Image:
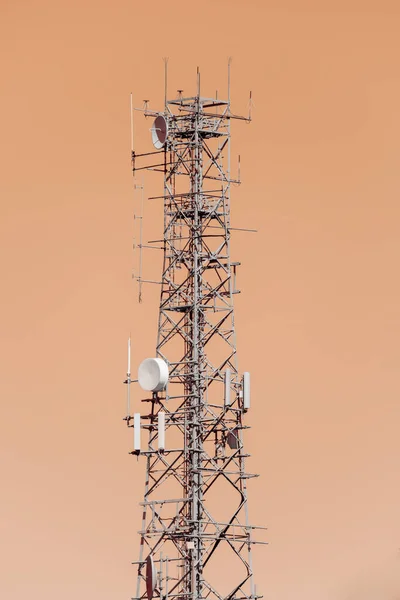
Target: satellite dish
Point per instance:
(159, 132)
(151, 577)
(153, 374)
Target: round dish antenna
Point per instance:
(151, 577)
(153, 374)
(159, 132)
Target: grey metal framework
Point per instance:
(195, 519)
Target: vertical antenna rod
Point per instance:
(128, 381)
(131, 115)
(165, 82)
(138, 186)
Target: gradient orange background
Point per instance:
(318, 320)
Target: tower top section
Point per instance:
(183, 117)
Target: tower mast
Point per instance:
(196, 400)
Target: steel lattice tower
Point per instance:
(205, 400)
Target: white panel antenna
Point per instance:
(136, 432)
(161, 430)
(246, 391)
(227, 388)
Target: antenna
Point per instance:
(128, 381)
(229, 80)
(161, 430)
(198, 82)
(136, 432)
(151, 577)
(140, 218)
(191, 390)
(165, 81)
(227, 394)
(159, 132)
(250, 106)
(132, 149)
(129, 357)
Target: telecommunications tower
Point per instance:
(195, 540)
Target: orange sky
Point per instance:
(318, 318)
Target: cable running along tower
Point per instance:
(196, 539)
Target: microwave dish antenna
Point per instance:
(151, 577)
(159, 132)
(153, 374)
